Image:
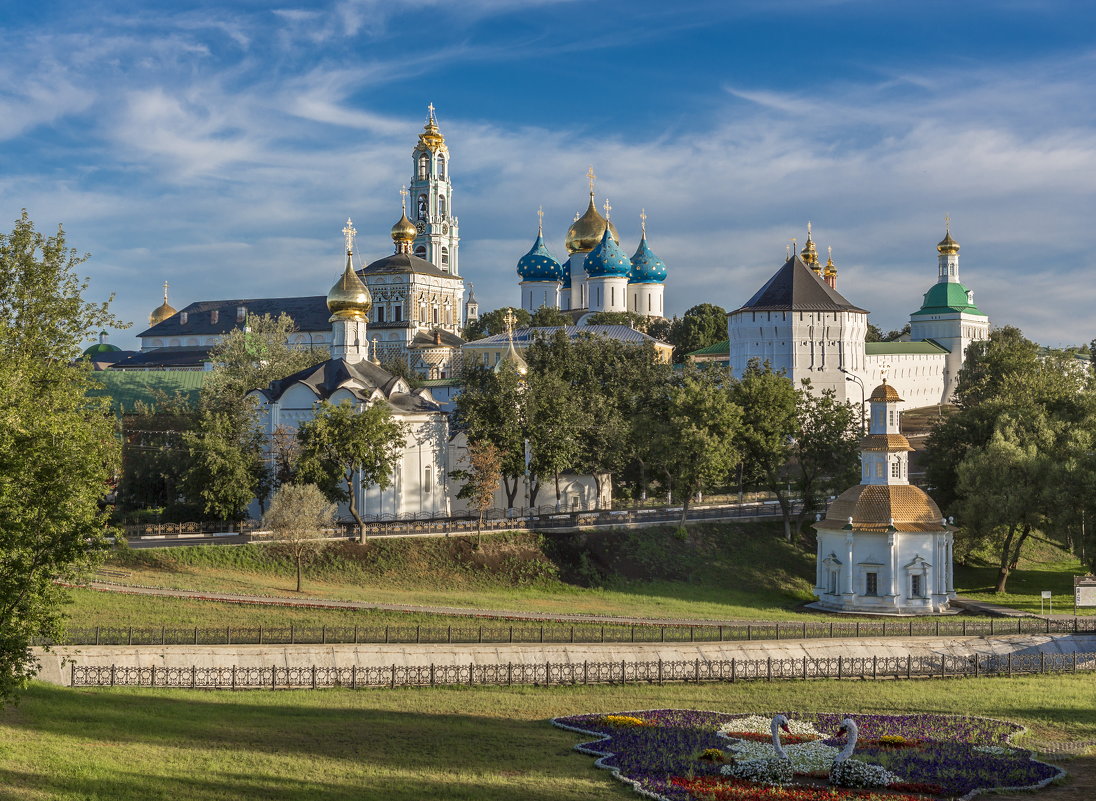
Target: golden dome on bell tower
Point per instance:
(947, 244)
(809, 253)
(431, 138)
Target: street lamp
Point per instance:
(863, 397)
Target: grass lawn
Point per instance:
(478, 744)
(1045, 567)
(733, 571)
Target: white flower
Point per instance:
(802, 757)
(854, 773)
(763, 771)
(755, 724)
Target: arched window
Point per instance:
(424, 207)
(445, 259)
(442, 210)
(380, 314)
(424, 167)
(420, 251)
(441, 166)
(435, 315)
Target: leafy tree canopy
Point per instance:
(492, 323)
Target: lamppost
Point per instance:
(863, 396)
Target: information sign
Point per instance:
(1084, 591)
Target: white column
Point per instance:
(848, 564)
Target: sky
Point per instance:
(222, 146)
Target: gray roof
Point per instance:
(404, 263)
(621, 333)
(796, 287)
(309, 314)
(425, 339)
(327, 377)
(161, 358)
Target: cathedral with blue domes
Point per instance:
(597, 275)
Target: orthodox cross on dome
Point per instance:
(947, 223)
(788, 251)
(643, 222)
(165, 291)
(508, 320)
(808, 229)
(608, 208)
(431, 109)
(403, 198)
(540, 220)
(795, 245)
(349, 233)
(591, 177)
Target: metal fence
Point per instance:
(574, 673)
(539, 517)
(577, 633)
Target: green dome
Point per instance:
(949, 298)
(101, 347)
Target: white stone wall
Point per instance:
(535, 294)
(646, 299)
(607, 294)
(919, 378)
(954, 331)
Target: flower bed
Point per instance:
(923, 756)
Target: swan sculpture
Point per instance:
(849, 772)
(775, 769)
(780, 722)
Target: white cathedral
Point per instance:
(800, 324)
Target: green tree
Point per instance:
(699, 435)
(874, 334)
(493, 323)
(343, 447)
(549, 317)
(489, 409)
(228, 454)
(154, 463)
(769, 426)
(553, 424)
(297, 516)
(58, 448)
(639, 322)
(825, 449)
(700, 327)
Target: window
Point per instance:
(380, 314)
(426, 482)
(442, 206)
(871, 583)
(441, 167)
(878, 469)
(424, 167)
(435, 315)
(445, 259)
(896, 469)
(213, 315)
(420, 251)
(833, 582)
(424, 207)
(915, 586)
(397, 314)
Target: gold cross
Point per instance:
(508, 320)
(431, 107)
(591, 177)
(403, 198)
(808, 229)
(165, 291)
(643, 222)
(608, 208)
(947, 222)
(540, 220)
(349, 233)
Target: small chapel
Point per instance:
(883, 546)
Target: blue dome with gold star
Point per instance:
(647, 268)
(538, 264)
(607, 260)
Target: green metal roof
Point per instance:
(440, 382)
(900, 348)
(947, 298)
(126, 387)
(718, 349)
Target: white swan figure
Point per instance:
(779, 722)
(850, 730)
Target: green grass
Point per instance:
(1044, 567)
(483, 744)
(728, 571)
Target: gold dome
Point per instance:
(947, 244)
(831, 268)
(404, 230)
(349, 299)
(431, 138)
(161, 312)
(884, 393)
(883, 507)
(586, 232)
(513, 360)
(809, 253)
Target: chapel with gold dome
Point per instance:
(883, 546)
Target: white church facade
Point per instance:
(884, 547)
(800, 324)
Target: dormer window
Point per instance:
(213, 316)
(241, 313)
(183, 317)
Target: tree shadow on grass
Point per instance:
(122, 745)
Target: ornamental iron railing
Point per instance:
(555, 632)
(573, 673)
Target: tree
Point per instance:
(825, 449)
(298, 514)
(154, 463)
(874, 334)
(400, 367)
(700, 327)
(228, 462)
(489, 410)
(699, 435)
(639, 322)
(493, 323)
(553, 423)
(550, 317)
(58, 447)
(344, 445)
(482, 478)
(769, 425)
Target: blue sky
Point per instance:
(220, 146)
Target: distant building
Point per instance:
(490, 351)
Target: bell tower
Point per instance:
(432, 200)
